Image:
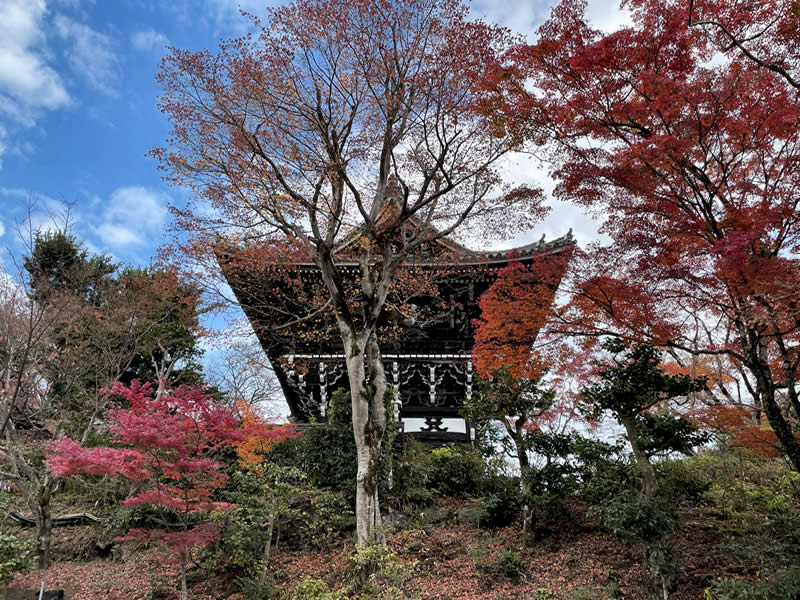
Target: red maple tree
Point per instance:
(764, 32)
(694, 164)
(165, 445)
(259, 435)
(513, 310)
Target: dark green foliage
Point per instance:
(107, 323)
(663, 434)
(326, 452)
(506, 396)
(552, 479)
(60, 262)
(784, 585)
(329, 450)
(756, 505)
(411, 475)
(602, 470)
(513, 565)
(680, 483)
(173, 313)
(240, 548)
(422, 473)
(631, 384)
(313, 588)
(501, 500)
(15, 556)
(374, 571)
(607, 592)
(324, 518)
(507, 565)
(306, 517)
(505, 410)
(632, 517)
(635, 382)
(253, 589)
(455, 470)
(571, 465)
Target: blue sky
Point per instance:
(78, 113)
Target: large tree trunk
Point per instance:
(369, 425)
(649, 481)
(756, 352)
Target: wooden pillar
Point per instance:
(396, 382)
(432, 383)
(323, 389)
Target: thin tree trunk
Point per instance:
(524, 473)
(184, 589)
(649, 482)
(44, 530)
(265, 567)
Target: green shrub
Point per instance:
(329, 450)
(374, 572)
(326, 451)
(491, 570)
(327, 518)
(633, 517)
(313, 588)
(15, 556)
(253, 589)
(497, 506)
(513, 565)
(411, 475)
(602, 470)
(455, 470)
(473, 514)
(751, 495)
(501, 500)
(783, 586)
(681, 482)
(240, 548)
(612, 590)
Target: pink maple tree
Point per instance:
(167, 439)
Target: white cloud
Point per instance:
(2, 229)
(131, 215)
(607, 16)
(520, 17)
(149, 40)
(91, 55)
(526, 17)
(119, 235)
(25, 76)
(28, 84)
